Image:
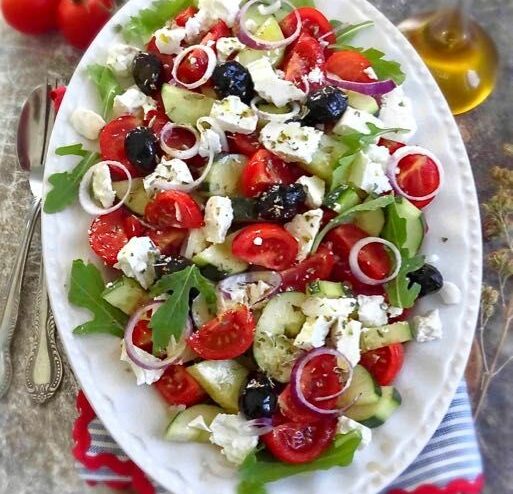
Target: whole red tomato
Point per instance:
(81, 20)
(31, 16)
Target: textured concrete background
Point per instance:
(35, 440)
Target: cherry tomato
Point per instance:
(31, 16)
(300, 442)
(403, 317)
(173, 209)
(384, 363)
(81, 20)
(247, 144)
(314, 23)
(349, 65)
(217, 31)
(107, 235)
(263, 170)
(156, 120)
(141, 337)
(182, 18)
(306, 55)
(169, 240)
(134, 227)
(391, 145)
(192, 67)
(294, 411)
(167, 60)
(180, 138)
(267, 245)
(316, 267)
(57, 95)
(178, 387)
(228, 336)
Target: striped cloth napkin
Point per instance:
(449, 464)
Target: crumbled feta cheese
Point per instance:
(269, 9)
(372, 310)
(394, 311)
(234, 435)
(137, 260)
(101, 185)
(133, 101)
(371, 73)
(87, 123)
(432, 259)
(258, 241)
(291, 141)
(168, 41)
(224, 10)
(450, 293)
(195, 243)
(397, 112)
(270, 86)
(368, 170)
(210, 141)
(379, 154)
(199, 424)
(248, 294)
(226, 47)
(173, 171)
(345, 335)
(314, 306)
(356, 121)
(218, 219)
(142, 376)
(198, 24)
(304, 228)
(428, 327)
(120, 59)
(314, 188)
(233, 115)
(316, 76)
(313, 333)
(346, 425)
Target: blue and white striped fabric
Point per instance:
(452, 453)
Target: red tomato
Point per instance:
(168, 241)
(107, 235)
(192, 67)
(403, 317)
(31, 16)
(267, 245)
(173, 209)
(349, 65)
(243, 144)
(228, 336)
(316, 267)
(156, 120)
(294, 411)
(217, 31)
(141, 336)
(182, 18)
(81, 20)
(263, 170)
(314, 23)
(180, 138)
(306, 55)
(418, 176)
(134, 227)
(178, 387)
(384, 363)
(300, 442)
(391, 145)
(167, 60)
(57, 95)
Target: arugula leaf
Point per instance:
(395, 229)
(341, 173)
(385, 69)
(356, 141)
(346, 32)
(258, 470)
(170, 318)
(107, 86)
(85, 290)
(399, 292)
(71, 150)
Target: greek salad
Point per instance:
(259, 196)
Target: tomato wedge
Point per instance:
(141, 337)
(384, 363)
(349, 65)
(228, 336)
(267, 245)
(178, 387)
(313, 23)
(391, 145)
(182, 18)
(168, 241)
(247, 144)
(306, 55)
(217, 31)
(107, 235)
(173, 209)
(156, 120)
(134, 227)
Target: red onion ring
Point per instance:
(274, 117)
(182, 154)
(226, 287)
(297, 374)
(258, 427)
(212, 60)
(394, 164)
(369, 88)
(251, 41)
(355, 266)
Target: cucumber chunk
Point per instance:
(275, 355)
(137, 200)
(269, 31)
(398, 332)
(183, 106)
(326, 158)
(200, 311)
(376, 414)
(363, 389)
(342, 198)
(125, 294)
(282, 315)
(224, 176)
(328, 289)
(362, 102)
(178, 430)
(371, 222)
(220, 256)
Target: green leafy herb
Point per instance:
(258, 470)
(399, 292)
(396, 227)
(346, 32)
(107, 86)
(341, 173)
(170, 318)
(385, 69)
(71, 150)
(85, 290)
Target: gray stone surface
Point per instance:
(35, 440)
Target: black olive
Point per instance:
(259, 398)
(142, 148)
(325, 105)
(429, 279)
(280, 202)
(148, 73)
(170, 264)
(231, 78)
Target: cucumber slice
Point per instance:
(363, 388)
(200, 311)
(342, 198)
(137, 200)
(178, 430)
(398, 332)
(371, 222)
(220, 256)
(125, 294)
(362, 102)
(282, 315)
(326, 158)
(378, 413)
(244, 210)
(275, 355)
(183, 106)
(328, 289)
(223, 380)
(224, 176)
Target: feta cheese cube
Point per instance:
(137, 260)
(224, 10)
(87, 123)
(291, 141)
(314, 306)
(346, 425)
(368, 172)
(316, 76)
(142, 376)
(168, 41)
(172, 171)
(101, 185)
(248, 294)
(218, 219)
(210, 140)
(226, 47)
(394, 311)
(346, 338)
(232, 115)
(397, 112)
(428, 327)
(133, 101)
(314, 188)
(198, 24)
(304, 228)
(372, 310)
(450, 293)
(120, 59)
(313, 333)
(234, 435)
(356, 121)
(378, 154)
(195, 243)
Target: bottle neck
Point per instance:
(450, 25)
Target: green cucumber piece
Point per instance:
(269, 31)
(275, 355)
(398, 332)
(371, 222)
(244, 210)
(183, 106)
(376, 414)
(282, 315)
(125, 294)
(362, 102)
(224, 176)
(326, 158)
(328, 289)
(220, 256)
(200, 311)
(342, 198)
(178, 430)
(363, 389)
(137, 199)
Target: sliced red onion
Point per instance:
(258, 427)
(297, 374)
(183, 154)
(229, 285)
(274, 117)
(247, 38)
(355, 265)
(393, 169)
(212, 60)
(369, 88)
(84, 195)
(212, 124)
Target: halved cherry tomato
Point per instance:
(418, 176)
(182, 18)
(349, 65)
(314, 23)
(167, 60)
(180, 138)
(217, 31)
(169, 240)
(192, 67)
(306, 55)
(300, 442)
(391, 145)
(247, 144)
(228, 336)
(384, 363)
(156, 120)
(141, 337)
(178, 387)
(173, 209)
(134, 227)
(107, 235)
(294, 411)
(263, 170)
(316, 267)
(265, 244)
